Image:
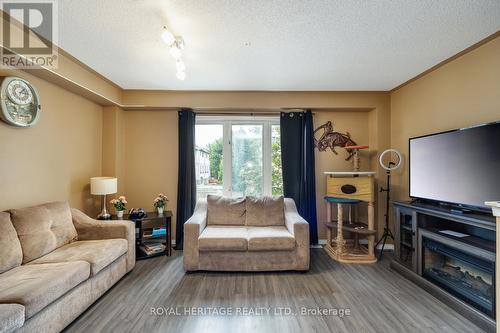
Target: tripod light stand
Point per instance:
(391, 166)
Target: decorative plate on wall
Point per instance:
(20, 102)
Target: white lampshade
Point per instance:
(103, 185)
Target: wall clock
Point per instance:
(20, 102)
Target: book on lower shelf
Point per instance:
(154, 232)
(152, 248)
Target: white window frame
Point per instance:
(227, 122)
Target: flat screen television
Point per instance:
(459, 167)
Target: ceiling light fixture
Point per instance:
(176, 52)
(181, 75)
(167, 36)
(176, 44)
(181, 66)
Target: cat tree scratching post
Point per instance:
(350, 189)
(354, 153)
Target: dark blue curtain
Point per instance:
(297, 158)
(186, 187)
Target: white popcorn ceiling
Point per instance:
(272, 45)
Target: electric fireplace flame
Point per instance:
(465, 276)
(469, 278)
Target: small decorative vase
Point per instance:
(119, 214)
(160, 210)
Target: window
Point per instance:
(242, 156)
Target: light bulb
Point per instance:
(181, 67)
(168, 37)
(181, 75)
(175, 52)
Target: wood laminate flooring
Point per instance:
(379, 300)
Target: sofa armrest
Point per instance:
(11, 317)
(299, 228)
(90, 229)
(192, 230)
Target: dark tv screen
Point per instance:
(458, 167)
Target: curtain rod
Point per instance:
(251, 114)
(244, 113)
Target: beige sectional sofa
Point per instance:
(246, 234)
(56, 261)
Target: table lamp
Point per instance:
(103, 186)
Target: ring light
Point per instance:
(390, 167)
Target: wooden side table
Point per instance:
(151, 221)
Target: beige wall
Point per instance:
(113, 145)
(256, 100)
(464, 92)
(357, 124)
(151, 157)
(55, 159)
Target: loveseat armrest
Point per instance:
(88, 228)
(192, 231)
(299, 228)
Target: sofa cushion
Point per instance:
(11, 317)
(265, 211)
(44, 228)
(11, 254)
(98, 253)
(36, 286)
(220, 238)
(270, 239)
(225, 211)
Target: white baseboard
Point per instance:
(322, 242)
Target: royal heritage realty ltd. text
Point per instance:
(249, 311)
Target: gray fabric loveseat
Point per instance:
(246, 234)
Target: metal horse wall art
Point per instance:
(331, 139)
